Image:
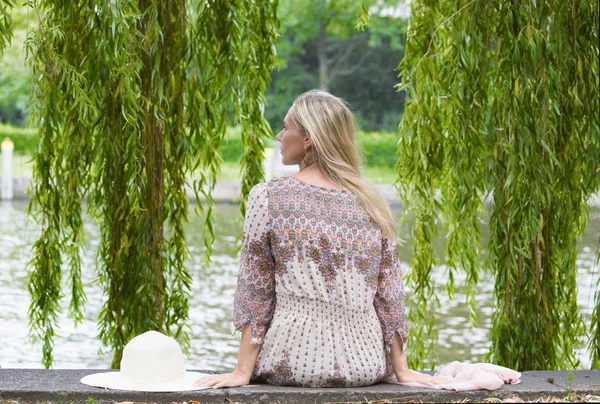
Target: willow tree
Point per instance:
(503, 103)
(5, 20)
(132, 98)
(594, 340)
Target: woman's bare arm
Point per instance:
(247, 356)
(403, 373)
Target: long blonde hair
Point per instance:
(331, 127)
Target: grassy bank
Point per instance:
(22, 166)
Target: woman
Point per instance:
(319, 298)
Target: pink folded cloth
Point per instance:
(468, 376)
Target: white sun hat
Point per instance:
(151, 362)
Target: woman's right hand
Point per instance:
(235, 379)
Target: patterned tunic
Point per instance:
(319, 285)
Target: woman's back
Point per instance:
(318, 274)
(322, 241)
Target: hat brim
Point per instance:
(114, 380)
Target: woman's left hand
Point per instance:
(235, 379)
(410, 376)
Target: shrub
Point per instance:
(25, 139)
(378, 148)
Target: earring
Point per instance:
(307, 160)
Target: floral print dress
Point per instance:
(319, 286)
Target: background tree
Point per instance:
(368, 83)
(129, 108)
(331, 25)
(320, 47)
(594, 341)
(503, 100)
(5, 22)
(14, 78)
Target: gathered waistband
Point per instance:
(321, 310)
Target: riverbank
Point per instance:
(25, 386)
(228, 191)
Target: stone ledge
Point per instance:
(63, 386)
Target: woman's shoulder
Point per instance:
(263, 189)
(259, 191)
(275, 183)
(290, 184)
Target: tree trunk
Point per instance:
(322, 57)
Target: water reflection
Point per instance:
(213, 346)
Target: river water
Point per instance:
(212, 345)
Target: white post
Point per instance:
(7, 180)
(268, 163)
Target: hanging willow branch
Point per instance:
(129, 110)
(233, 60)
(545, 113)
(594, 341)
(420, 166)
(503, 99)
(443, 166)
(5, 22)
(259, 51)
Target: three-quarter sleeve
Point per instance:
(255, 291)
(389, 299)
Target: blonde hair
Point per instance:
(331, 127)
